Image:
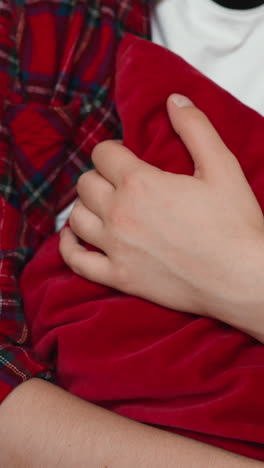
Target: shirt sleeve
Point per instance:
(17, 362)
(18, 238)
(56, 103)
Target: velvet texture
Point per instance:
(192, 375)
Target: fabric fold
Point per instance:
(184, 373)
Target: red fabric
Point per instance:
(185, 373)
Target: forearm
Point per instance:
(42, 425)
(236, 295)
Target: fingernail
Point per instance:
(181, 101)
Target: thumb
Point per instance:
(207, 149)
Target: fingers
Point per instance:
(86, 225)
(95, 192)
(93, 266)
(114, 161)
(207, 149)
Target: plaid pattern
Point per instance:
(56, 102)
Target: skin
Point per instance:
(179, 246)
(44, 426)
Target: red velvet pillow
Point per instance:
(185, 373)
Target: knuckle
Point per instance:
(116, 216)
(121, 278)
(76, 269)
(74, 262)
(82, 181)
(133, 181)
(100, 149)
(72, 256)
(195, 116)
(72, 221)
(74, 216)
(121, 220)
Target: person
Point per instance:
(44, 426)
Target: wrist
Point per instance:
(236, 295)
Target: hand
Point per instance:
(188, 243)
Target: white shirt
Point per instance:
(226, 45)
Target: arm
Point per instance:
(189, 243)
(42, 425)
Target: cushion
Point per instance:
(192, 375)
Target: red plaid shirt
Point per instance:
(56, 73)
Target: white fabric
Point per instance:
(63, 216)
(226, 45)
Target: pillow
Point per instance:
(192, 375)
